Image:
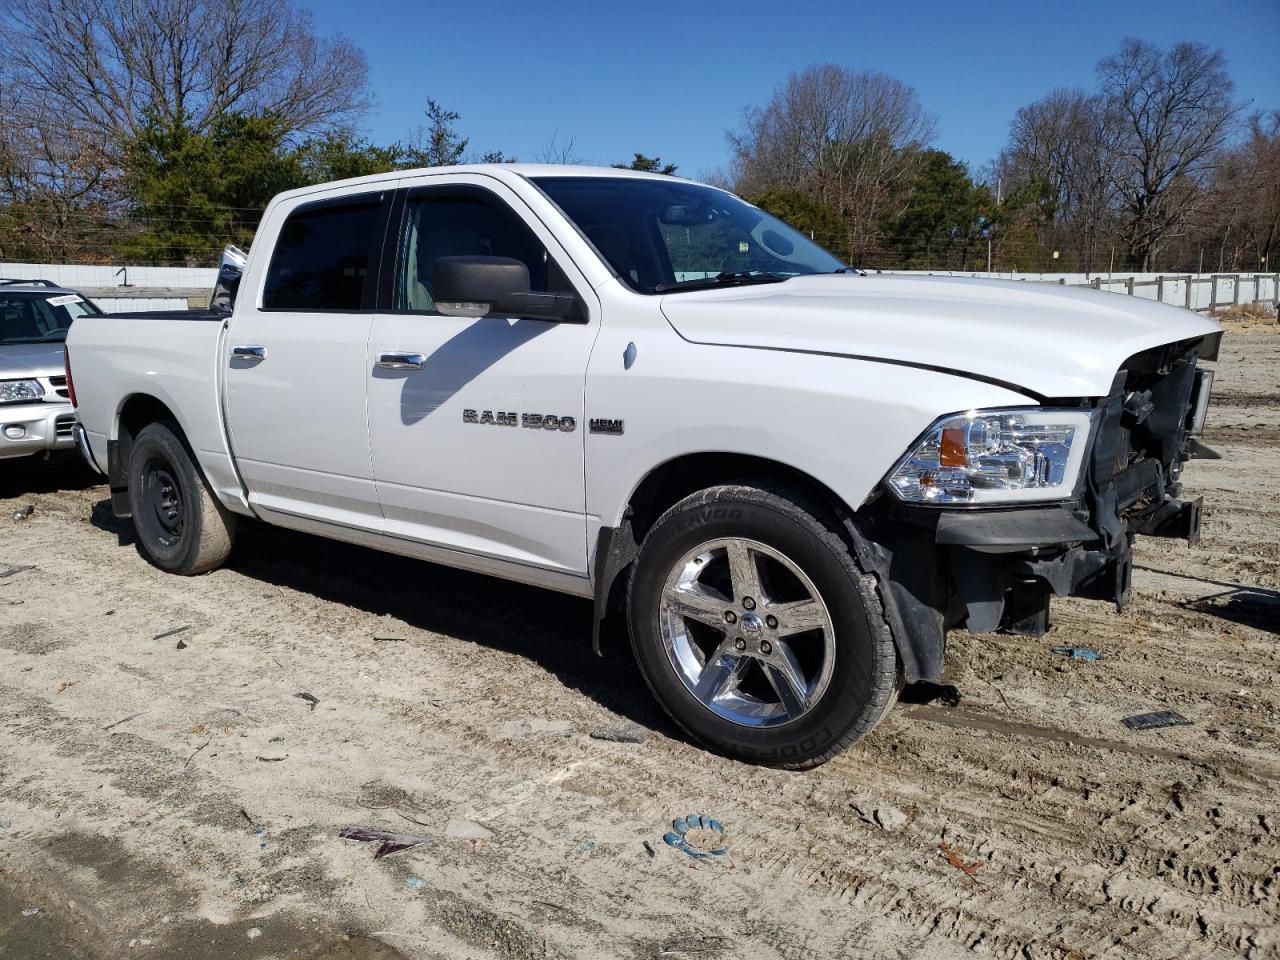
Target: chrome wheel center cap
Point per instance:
(752, 625)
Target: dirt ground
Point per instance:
(173, 796)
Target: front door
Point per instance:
(476, 424)
(296, 377)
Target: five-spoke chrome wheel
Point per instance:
(747, 632)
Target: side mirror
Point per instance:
(227, 285)
(475, 286)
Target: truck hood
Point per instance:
(1050, 340)
(21, 361)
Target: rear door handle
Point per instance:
(254, 354)
(401, 361)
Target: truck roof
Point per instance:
(503, 171)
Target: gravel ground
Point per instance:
(173, 796)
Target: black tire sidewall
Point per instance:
(851, 695)
(159, 441)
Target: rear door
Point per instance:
(296, 376)
(477, 443)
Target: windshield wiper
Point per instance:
(720, 280)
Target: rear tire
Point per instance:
(757, 631)
(181, 527)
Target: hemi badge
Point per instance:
(605, 425)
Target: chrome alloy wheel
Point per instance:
(747, 632)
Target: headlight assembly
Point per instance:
(995, 456)
(20, 391)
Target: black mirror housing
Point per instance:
(478, 286)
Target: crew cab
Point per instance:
(36, 416)
(792, 477)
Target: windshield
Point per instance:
(663, 237)
(33, 318)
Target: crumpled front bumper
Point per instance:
(31, 428)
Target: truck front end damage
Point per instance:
(995, 566)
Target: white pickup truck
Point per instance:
(794, 477)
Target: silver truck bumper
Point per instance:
(31, 428)
(82, 444)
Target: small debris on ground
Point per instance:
(388, 842)
(309, 698)
(132, 716)
(624, 733)
(253, 933)
(1154, 721)
(172, 632)
(534, 727)
(889, 818)
(953, 858)
(30, 911)
(182, 644)
(274, 759)
(67, 685)
(467, 830)
(23, 512)
(697, 835)
(389, 640)
(648, 848)
(1077, 653)
(5, 824)
(9, 571)
(415, 883)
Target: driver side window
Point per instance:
(461, 221)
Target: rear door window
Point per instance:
(323, 256)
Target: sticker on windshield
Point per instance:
(743, 246)
(63, 300)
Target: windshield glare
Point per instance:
(657, 235)
(39, 319)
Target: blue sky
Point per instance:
(671, 78)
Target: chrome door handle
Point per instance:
(249, 353)
(401, 361)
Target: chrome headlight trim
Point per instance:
(995, 456)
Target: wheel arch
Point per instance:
(136, 411)
(666, 485)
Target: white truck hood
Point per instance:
(1051, 340)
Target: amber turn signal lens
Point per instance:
(953, 452)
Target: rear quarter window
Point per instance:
(322, 256)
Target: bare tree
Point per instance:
(842, 136)
(1063, 148)
(1243, 205)
(112, 67)
(1174, 112)
(55, 184)
(558, 151)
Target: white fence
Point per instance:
(1195, 291)
(78, 276)
(143, 288)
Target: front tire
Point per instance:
(181, 527)
(757, 631)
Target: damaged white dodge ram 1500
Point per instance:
(794, 478)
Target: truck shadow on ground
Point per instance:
(548, 628)
(31, 475)
(545, 627)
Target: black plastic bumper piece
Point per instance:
(1012, 531)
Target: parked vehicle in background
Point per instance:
(648, 392)
(36, 415)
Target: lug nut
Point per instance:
(766, 648)
(740, 644)
(730, 617)
(748, 603)
(772, 621)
